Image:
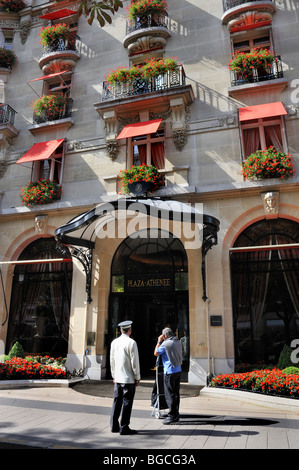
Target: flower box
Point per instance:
(12, 6)
(139, 8)
(18, 368)
(268, 163)
(142, 173)
(51, 35)
(152, 69)
(50, 107)
(40, 192)
(274, 382)
(259, 63)
(7, 58)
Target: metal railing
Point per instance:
(146, 21)
(48, 115)
(228, 4)
(61, 45)
(7, 114)
(258, 75)
(140, 86)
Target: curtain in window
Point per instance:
(158, 155)
(251, 140)
(250, 271)
(273, 137)
(289, 262)
(142, 153)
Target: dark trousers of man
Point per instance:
(123, 397)
(172, 393)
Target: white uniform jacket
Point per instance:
(124, 360)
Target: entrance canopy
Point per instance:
(81, 232)
(83, 229)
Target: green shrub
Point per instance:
(16, 351)
(285, 358)
(291, 370)
(4, 357)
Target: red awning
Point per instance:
(49, 76)
(262, 111)
(55, 15)
(40, 151)
(139, 128)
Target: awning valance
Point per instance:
(40, 151)
(260, 111)
(56, 15)
(139, 128)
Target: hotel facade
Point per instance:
(212, 253)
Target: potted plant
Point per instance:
(12, 6)
(142, 173)
(246, 62)
(7, 58)
(50, 107)
(268, 163)
(50, 35)
(40, 192)
(139, 8)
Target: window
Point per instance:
(7, 38)
(50, 168)
(265, 290)
(59, 86)
(250, 44)
(147, 149)
(257, 134)
(40, 300)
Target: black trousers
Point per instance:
(123, 396)
(172, 393)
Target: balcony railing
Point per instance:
(228, 4)
(48, 115)
(258, 75)
(146, 21)
(163, 82)
(63, 45)
(7, 114)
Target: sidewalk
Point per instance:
(64, 418)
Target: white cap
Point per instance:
(125, 324)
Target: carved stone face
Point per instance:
(40, 223)
(270, 202)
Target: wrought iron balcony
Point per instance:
(228, 4)
(258, 75)
(61, 45)
(48, 115)
(146, 21)
(7, 114)
(163, 82)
